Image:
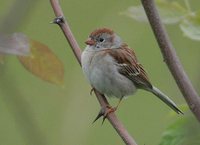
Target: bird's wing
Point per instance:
(129, 66)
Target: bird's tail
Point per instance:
(165, 99)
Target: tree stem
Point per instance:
(171, 59)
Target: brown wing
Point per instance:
(130, 67)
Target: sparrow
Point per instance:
(113, 69)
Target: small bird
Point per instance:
(113, 69)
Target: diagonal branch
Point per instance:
(123, 133)
(171, 59)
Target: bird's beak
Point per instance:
(90, 42)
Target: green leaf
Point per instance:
(190, 26)
(137, 13)
(170, 12)
(43, 63)
(184, 131)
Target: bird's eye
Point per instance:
(101, 39)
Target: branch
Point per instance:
(123, 133)
(171, 59)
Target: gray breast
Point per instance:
(104, 76)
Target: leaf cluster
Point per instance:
(171, 13)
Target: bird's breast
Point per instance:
(102, 73)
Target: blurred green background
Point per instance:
(35, 112)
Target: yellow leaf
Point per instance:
(43, 63)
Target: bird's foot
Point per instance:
(104, 112)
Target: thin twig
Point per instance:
(171, 59)
(123, 133)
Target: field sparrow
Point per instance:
(113, 69)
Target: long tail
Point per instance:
(165, 99)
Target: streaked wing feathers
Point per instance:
(130, 67)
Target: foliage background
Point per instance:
(36, 112)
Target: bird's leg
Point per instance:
(111, 109)
(118, 103)
(107, 110)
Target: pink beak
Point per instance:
(90, 42)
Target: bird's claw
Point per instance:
(104, 112)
